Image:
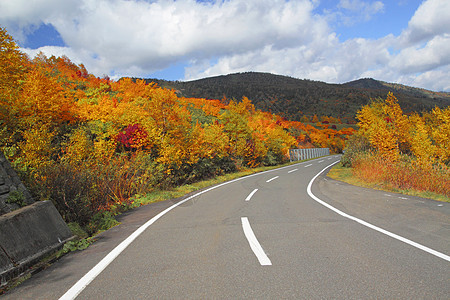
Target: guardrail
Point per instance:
(302, 154)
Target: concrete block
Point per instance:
(5, 261)
(28, 234)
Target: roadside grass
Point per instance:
(338, 172)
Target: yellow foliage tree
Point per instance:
(376, 122)
(421, 144)
(441, 132)
(397, 122)
(37, 149)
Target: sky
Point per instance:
(335, 41)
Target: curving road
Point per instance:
(277, 234)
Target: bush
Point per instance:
(79, 192)
(405, 173)
(16, 197)
(274, 158)
(204, 168)
(356, 145)
(101, 221)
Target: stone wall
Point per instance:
(12, 189)
(27, 233)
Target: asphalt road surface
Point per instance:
(272, 235)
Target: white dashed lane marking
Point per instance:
(273, 178)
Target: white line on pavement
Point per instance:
(251, 195)
(254, 244)
(308, 165)
(273, 178)
(388, 233)
(293, 170)
(320, 161)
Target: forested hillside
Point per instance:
(294, 98)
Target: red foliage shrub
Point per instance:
(133, 137)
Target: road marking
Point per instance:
(81, 284)
(251, 195)
(273, 178)
(320, 161)
(388, 233)
(308, 165)
(293, 170)
(254, 244)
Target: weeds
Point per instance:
(405, 174)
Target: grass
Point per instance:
(338, 172)
(15, 283)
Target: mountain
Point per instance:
(293, 98)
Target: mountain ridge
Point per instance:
(293, 98)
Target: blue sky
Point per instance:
(406, 41)
(391, 19)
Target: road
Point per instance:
(264, 236)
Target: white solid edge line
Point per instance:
(254, 244)
(81, 284)
(388, 233)
(272, 179)
(251, 195)
(292, 170)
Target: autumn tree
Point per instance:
(13, 67)
(377, 121)
(440, 132)
(421, 144)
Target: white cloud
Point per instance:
(21, 17)
(135, 38)
(436, 79)
(153, 35)
(417, 59)
(431, 18)
(324, 59)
